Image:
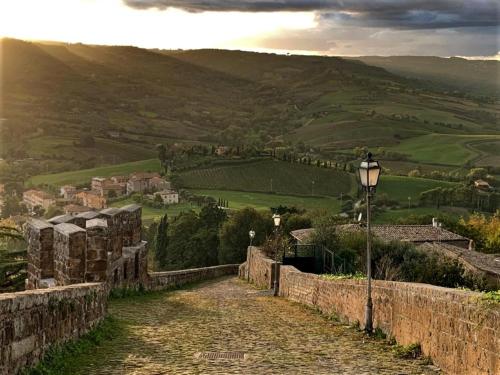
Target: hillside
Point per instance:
(480, 77)
(270, 176)
(130, 99)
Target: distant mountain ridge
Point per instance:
(482, 77)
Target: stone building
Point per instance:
(91, 199)
(103, 246)
(417, 234)
(106, 187)
(38, 198)
(68, 192)
(144, 182)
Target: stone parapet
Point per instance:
(174, 279)
(40, 239)
(115, 218)
(459, 331)
(132, 225)
(32, 321)
(96, 262)
(70, 245)
(259, 269)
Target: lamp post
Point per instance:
(277, 222)
(251, 234)
(369, 173)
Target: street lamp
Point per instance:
(369, 173)
(251, 234)
(277, 222)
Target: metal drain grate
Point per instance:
(220, 355)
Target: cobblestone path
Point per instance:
(163, 333)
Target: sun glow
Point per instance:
(110, 22)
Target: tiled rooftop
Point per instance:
(407, 233)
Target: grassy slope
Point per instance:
(444, 148)
(392, 216)
(285, 178)
(400, 188)
(262, 201)
(149, 214)
(84, 176)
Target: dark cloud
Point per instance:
(409, 14)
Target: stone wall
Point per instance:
(40, 239)
(70, 246)
(259, 269)
(173, 279)
(32, 321)
(455, 328)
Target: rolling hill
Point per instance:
(129, 99)
(480, 77)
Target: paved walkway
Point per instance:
(166, 332)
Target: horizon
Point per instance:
(261, 51)
(327, 28)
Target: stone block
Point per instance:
(40, 238)
(70, 244)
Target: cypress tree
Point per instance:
(161, 242)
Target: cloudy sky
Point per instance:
(330, 27)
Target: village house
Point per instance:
(37, 198)
(168, 196)
(68, 192)
(144, 182)
(417, 234)
(107, 187)
(91, 199)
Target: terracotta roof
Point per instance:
(485, 262)
(39, 193)
(407, 233)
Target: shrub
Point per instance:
(412, 351)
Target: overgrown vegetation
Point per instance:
(60, 358)
(399, 261)
(412, 351)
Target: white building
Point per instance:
(169, 196)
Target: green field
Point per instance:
(270, 176)
(261, 201)
(149, 214)
(83, 176)
(444, 148)
(105, 150)
(400, 188)
(391, 216)
(238, 200)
